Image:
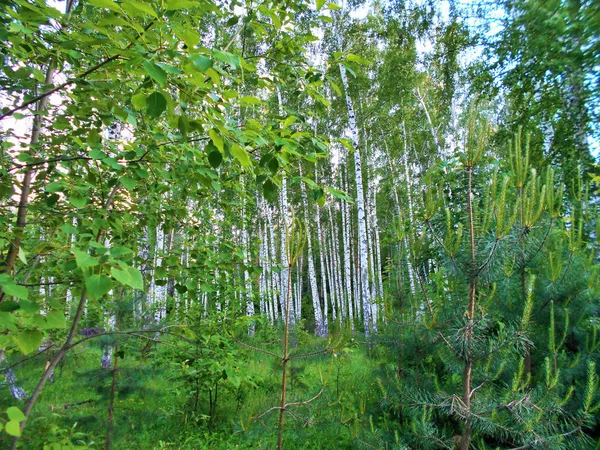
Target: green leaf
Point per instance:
(340, 194)
(97, 285)
(201, 62)
(241, 155)
(216, 138)
(13, 428)
(128, 183)
(138, 101)
(289, 121)
(97, 154)
(227, 58)
(183, 125)
(250, 100)
(357, 59)
(9, 306)
(22, 255)
(270, 190)
(56, 319)
(29, 341)
(156, 104)
(180, 4)
(84, 259)
(156, 72)
(120, 251)
(15, 414)
(68, 229)
(77, 200)
(144, 7)
(129, 276)
(14, 290)
(191, 38)
(319, 4)
(215, 158)
(54, 187)
(109, 4)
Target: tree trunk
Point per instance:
(360, 205)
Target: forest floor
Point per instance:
(167, 399)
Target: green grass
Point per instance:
(154, 405)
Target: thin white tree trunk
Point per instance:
(275, 279)
(346, 238)
(299, 271)
(376, 245)
(337, 268)
(159, 297)
(322, 250)
(436, 141)
(360, 205)
(263, 287)
(246, 260)
(312, 275)
(411, 273)
(284, 212)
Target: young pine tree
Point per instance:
(499, 344)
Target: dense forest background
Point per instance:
(287, 224)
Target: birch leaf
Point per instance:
(22, 255)
(241, 155)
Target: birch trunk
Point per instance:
(246, 260)
(347, 254)
(360, 205)
(284, 211)
(337, 268)
(320, 330)
(275, 279)
(320, 240)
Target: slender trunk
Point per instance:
(336, 269)
(347, 254)
(468, 368)
(246, 260)
(113, 391)
(284, 212)
(264, 264)
(274, 275)
(411, 273)
(284, 363)
(60, 354)
(321, 242)
(360, 205)
(330, 276)
(430, 122)
(376, 245)
(312, 275)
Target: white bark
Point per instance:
(411, 272)
(159, 293)
(376, 245)
(320, 240)
(275, 279)
(246, 260)
(346, 238)
(263, 287)
(320, 330)
(337, 268)
(431, 127)
(11, 380)
(360, 205)
(331, 282)
(284, 211)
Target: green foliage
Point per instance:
(527, 388)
